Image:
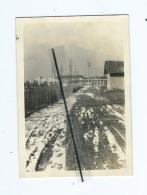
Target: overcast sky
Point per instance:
(93, 42)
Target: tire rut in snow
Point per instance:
(118, 138)
(46, 153)
(107, 159)
(85, 149)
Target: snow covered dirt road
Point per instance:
(98, 126)
(99, 132)
(45, 137)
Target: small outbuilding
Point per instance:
(114, 70)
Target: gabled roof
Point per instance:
(114, 67)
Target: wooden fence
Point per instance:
(40, 96)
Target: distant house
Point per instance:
(114, 70)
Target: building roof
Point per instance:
(114, 67)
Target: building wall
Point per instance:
(108, 82)
(94, 82)
(115, 82)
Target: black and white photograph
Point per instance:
(73, 76)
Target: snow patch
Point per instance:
(96, 140)
(40, 127)
(90, 94)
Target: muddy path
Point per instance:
(98, 128)
(99, 133)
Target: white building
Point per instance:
(114, 70)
